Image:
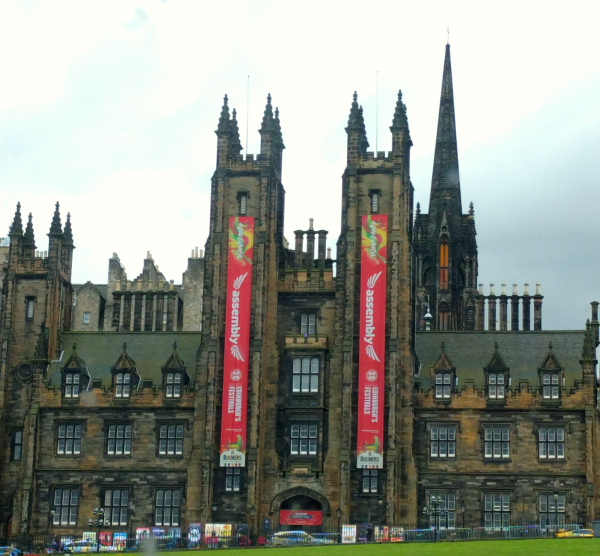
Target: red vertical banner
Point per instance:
(371, 358)
(237, 342)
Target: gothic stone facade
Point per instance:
(117, 388)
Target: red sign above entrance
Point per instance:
(300, 517)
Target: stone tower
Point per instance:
(249, 188)
(444, 239)
(376, 185)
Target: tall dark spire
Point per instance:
(223, 126)
(277, 126)
(68, 233)
(29, 239)
(354, 120)
(16, 230)
(445, 162)
(56, 226)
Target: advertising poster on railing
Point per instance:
(371, 358)
(348, 534)
(237, 342)
(300, 517)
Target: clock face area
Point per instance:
(24, 372)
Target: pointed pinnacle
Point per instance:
(29, 238)
(267, 121)
(471, 209)
(68, 233)
(56, 226)
(277, 126)
(400, 120)
(236, 145)
(354, 118)
(589, 351)
(16, 229)
(223, 126)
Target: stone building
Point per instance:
(122, 394)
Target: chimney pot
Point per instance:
(492, 289)
(310, 225)
(526, 291)
(503, 289)
(537, 289)
(515, 289)
(329, 252)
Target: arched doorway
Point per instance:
(301, 509)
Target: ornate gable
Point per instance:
(174, 361)
(74, 361)
(443, 362)
(124, 361)
(496, 362)
(550, 363)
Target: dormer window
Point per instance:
(551, 386)
(496, 383)
(122, 384)
(175, 376)
(443, 385)
(173, 384)
(72, 382)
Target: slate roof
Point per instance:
(150, 351)
(523, 352)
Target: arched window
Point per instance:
(444, 265)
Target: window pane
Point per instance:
(434, 433)
(492, 378)
(296, 366)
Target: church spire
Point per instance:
(223, 127)
(56, 226)
(16, 230)
(445, 181)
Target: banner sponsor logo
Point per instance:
(371, 358)
(237, 342)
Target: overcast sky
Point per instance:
(110, 107)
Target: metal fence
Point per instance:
(239, 535)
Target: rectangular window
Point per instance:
(72, 383)
(369, 481)
(86, 318)
(551, 386)
(496, 386)
(497, 442)
(29, 308)
(122, 385)
(119, 440)
(551, 443)
(552, 511)
(65, 504)
(167, 507)
(442, 441)
(170, 440)
(375, 202)
(232, 479)
(443, 385)
(243, 204)
(116, 504)
(303, 440)
(69, 440)
(17, 445)
(496, 510)
(305, 375)
(442, 510)
(173, 389)
(308, 324)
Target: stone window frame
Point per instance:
(489, 498)
(375, 201)
(370, 478)
(243, 200)
(170, 423)
(230, 474)
(310, 357)
(558, 499)
(551, 385)
(306, 327)
(107, 428)
(109, 507)
(71, 379)
(133, 384)
(539, 442)
(451, 507)
(501, 441)
(55, 515)
(442, 424)
(57, 437)
(308, 438)
(16, 447)
(164, 489)
(441, 385)
(30, 302)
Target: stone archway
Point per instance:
(301, 500)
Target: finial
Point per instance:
(418, 208)
(550, 346)
(29, 239)
(16, 229)
(496, 346)
(471, 209)
(269, 98)
(448, 39)
(400, 120)
(277, 126)
(443, 346)
(589, 345)
(56, 226)
(236, 144)
(354, 97)
(267, 121)
(124, 346)
(74, 346)
(174, 346)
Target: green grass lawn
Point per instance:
(545, 547)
